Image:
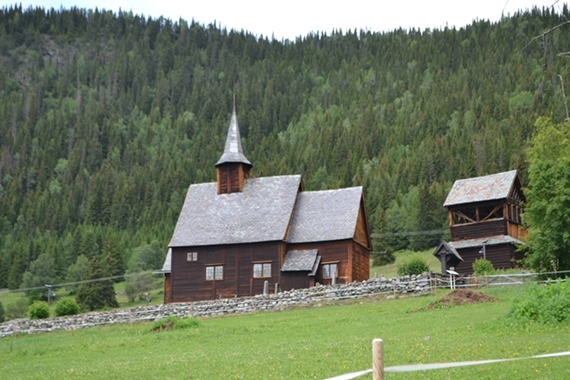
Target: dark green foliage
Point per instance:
(146, 257)
(172, 322)
(483, 267)
(139, 284)
(2, 314)
(38, 310)
(382, 258)
(413, 266)
(543, 303)
(77, 272)
(97, 295)
(548, 196)
(42, 271)
(67, 306)
(107, 118)
(17, 309)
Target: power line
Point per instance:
(410, 233)
(123, 276)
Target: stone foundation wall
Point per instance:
(271, 302)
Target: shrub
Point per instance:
(413, 266)
(482, 267)
(38, 310)
(545, 304)
(1, 313)
(172, 322)
(382, 258)
(67, 306)
(17, 309)
(139, 284)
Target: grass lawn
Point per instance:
(391, 270)
(303, 343)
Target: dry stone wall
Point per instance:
(414, 285)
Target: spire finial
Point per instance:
(233, 151)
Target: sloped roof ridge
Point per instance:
(482, 188)
(260, 213)
(325, 215)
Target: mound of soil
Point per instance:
(461, 297)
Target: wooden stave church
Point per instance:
(238, 232)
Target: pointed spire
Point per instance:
(233, 151)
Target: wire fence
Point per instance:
(378, 369)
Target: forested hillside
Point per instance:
(106, 119)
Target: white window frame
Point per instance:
(192, 256)
(327, 270)
(262, 270)
(214, 272)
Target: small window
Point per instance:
(215, 273)
(261, 270)
(192, 256)
(330, 270)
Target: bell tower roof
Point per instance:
(233, 151)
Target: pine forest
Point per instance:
(107, 118)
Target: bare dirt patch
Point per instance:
(460, 297)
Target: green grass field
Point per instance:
(303, 343)
(391, 270)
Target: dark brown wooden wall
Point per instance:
(362, 232)
(188, 279)
(360, 263)
(478, 230)
(167, 288)
(332, 251)
(501, 256)
(231, 177)
(295, 280)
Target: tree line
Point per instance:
(106, 119)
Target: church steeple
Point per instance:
(233, 168)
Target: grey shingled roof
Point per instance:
(233, 151)
(491, 240)
(478, 189)
(300, 260)
(325, 215)
(260, 213)
(446, 248)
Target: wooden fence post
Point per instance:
(377, 359)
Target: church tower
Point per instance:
(232, 168)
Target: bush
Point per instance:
(38, 310)
(139, 284)
(413, 266)
(382, 258)
(67, 306)
(17, 309)
(172, 322)
(483, 267)
(545, 304)
(1, 313)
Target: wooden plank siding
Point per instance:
(296, 280)
(188, 282)
(516, 231)
(231, 178)
(502, 256)
(362, 232)
(167, 288)
(361, 262)
(478, 229)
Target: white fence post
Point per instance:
(377, 359)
